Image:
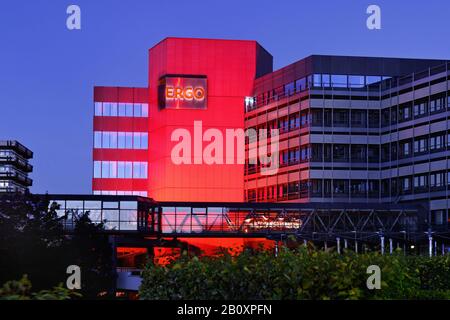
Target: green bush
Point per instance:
(297, 274)
(21, 290)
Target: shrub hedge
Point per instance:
(302, 273)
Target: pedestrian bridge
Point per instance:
(309, 221)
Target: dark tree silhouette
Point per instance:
(33, 242)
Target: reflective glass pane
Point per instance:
(113, 140)
(136, 140)
(97, 169)
(89, 204)
(122, 109)
(129, 109)
(97, 139)
(137, 109)
(111, 204)
(98, 108)
(113, 109)
(128, 205)
(121, 140)
(144, 107)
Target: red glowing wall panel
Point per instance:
(120, 124)
(230, 67)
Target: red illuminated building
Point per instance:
(190, 80)
(362, 131)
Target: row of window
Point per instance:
(421, 183)
(120, 193)
(317, 81)
(120, 169)
(120, 140)
(360, 118)
(419, 109)
(415, 146)
(12, 171)
(361, 153)
(114, 109)
(11, 186)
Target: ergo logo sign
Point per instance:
(182, 92)
(186, 93)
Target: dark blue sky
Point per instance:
(47, 72)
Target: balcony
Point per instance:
(18, 177)
(15, 145)
(18, 162)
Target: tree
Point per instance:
(34, 242)
(89, 248)
(31, 236)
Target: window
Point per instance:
(144, 111)
(128, 140)
(122, 110)
(358, 118)
(358, 153)
(137, 110)
(105, 169)
(120, 169)
(113, 140)
(405, 149)
(339, 81)
(97, 169)
(121, 140)
(437, 104)
(438, 216)
(340, 152)
(420, 181)
(317, 82)
(326, 81)
(404, 112)
(128, 109)
(98, 108)
(289, 89)
(340, 187)
(356, 81)
(406, 184)
(97, 139)
(128, 169)
(437, 179)
(420, 109)
(114, 109)
(300, 85)
(372, 79)
(420, 145)
(341, 117)
(436, 142)
(113, 169)
(374, 118)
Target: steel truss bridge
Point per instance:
(334, 223)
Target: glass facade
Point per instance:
(120, 140)
(117, 109)
(116, 213)
(120, 169)
(364, 139)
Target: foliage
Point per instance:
(302, 273)
(33, 242)
(21, 290)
